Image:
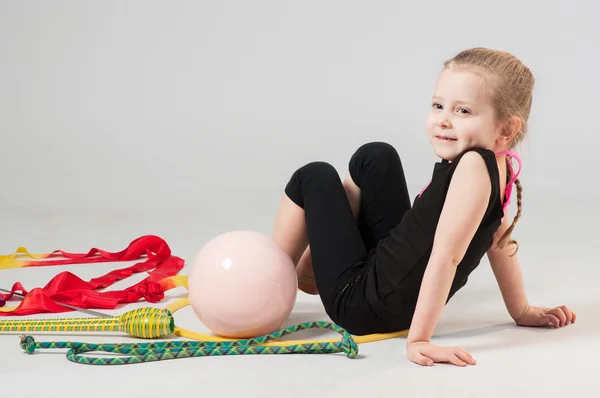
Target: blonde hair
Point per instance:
(511, 84)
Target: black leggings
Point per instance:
(340, 243)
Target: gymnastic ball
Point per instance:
(241, 284)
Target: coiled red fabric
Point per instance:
(67, 288)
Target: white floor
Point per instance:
(560, 267)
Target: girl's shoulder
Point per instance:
(472, 156)
(470, 163)
(486, 154)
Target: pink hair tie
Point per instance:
(513, 177)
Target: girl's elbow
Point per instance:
(446, 258)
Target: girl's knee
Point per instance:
(317, 169)
(311, 173)
(377, 155)
(376, 152)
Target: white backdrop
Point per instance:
(198, 111)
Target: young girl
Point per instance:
(382, 265)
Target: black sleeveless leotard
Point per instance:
(394, 270)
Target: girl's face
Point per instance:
(462, 115)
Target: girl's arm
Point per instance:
(507, 271)
(466, 202)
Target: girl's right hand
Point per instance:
(426, 354)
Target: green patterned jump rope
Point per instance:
(159, 351)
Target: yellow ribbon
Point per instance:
(11, 261)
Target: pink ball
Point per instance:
(242, 285)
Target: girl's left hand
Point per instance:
(540, 316)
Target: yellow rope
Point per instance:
(188, 334)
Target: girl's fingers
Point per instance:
(553, 319)
(568, 314)
(454, 359)
(421, 359)
(558, 312)
(464, 356)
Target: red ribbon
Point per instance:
(67, 288)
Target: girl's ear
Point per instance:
(509, 130)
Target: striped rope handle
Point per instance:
(145, 322)
(158, 351)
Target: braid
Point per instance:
(507, 238)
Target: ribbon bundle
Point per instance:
(67, 288)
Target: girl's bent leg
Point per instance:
(336, 246)
(376, 171)
(306, 276)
